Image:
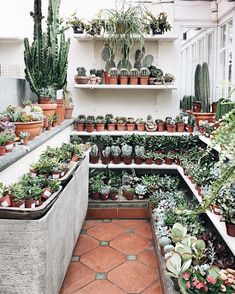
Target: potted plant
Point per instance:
(134, 76)
(116, 154)
(90, 123)
(169, 158)
(5, 200)
(94, 154)
(155, 76)
(10, 142)
(170, 125)
(32, 196)
(55, 120)
(228, 209)
(105, 158)
(110, 122)
(128, 192)
(140, 191)
(130, 124)
(160, 125)
(24, 138)
(126, 153)
(104, 192)
(150, 126)
(81, 77)
(95, 185)
(180, 125)
(17, 195)
(76, 23)
(158, 158)
(100, 123)
(123, 76)
(3, 140)
(140, 124)
(113, 76)
(168, 78)
(144, 76)
(49, 122)
(139, 154)
(121, 124)
(148, 156)
(68, 102)
(190, 125)
(158, 24)
(80, 123)
(95, 26)
(93, 79)
(114, 193)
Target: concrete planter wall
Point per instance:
(35, 254)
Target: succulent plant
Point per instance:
(106, 152)
(81, 71)
(144, 72)
(134, 72)
(113, 72)
(140, 189)
(139, 151)
(163, 241)
(168, 78)
(148, 60)
(94, 151)
(126, 150)
(178, 232)
(24, 135)
(123, 72)
(116, 151)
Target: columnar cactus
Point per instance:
(197, 82)
(205, 95)
(47, 58)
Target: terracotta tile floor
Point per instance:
(113, 257)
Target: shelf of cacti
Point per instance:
(38, 188)
(91, 86)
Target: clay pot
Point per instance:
(171, 128)
(90, 128)
(25, 141)
(138, 160)
(111, 127)
(106, 77)
(130, 127)
(158, 161)
(56, 175)
(81, 79)
(99, 127)
(134, 80)
(144, 80)
(80, 127)
(20, 203)
(230, 229)
(114, 196)
(5, 201)
(113, 80)
(2, 150)
(94, 159)
(38, 201)
(117, 159)
(149, 161)
(140, 127)
(48, 108)
(44, 100)
(189, 128)
(168, 161)
(60, 110)
(9, 146)
(160, 127)
(34, 128)
(68, 111)
(127, 160)
(123, 80)
(95, 195)
(180, 127)
(104, 196)
(75, 158)
(128, 195)
(30, 203)
(214, 107)
(206, 116)
(105, 160)
(199, 189)
(121, 127)
(197, 106)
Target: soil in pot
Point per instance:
(230, 229)
(121, 127)
(130, 127)
(2, 150)
(90, 127)
(180, 127)
(117, 159)
(95, 195)
(5, 201)
(134, 80)
(127, 160)
(123, 80)
(80, 127)
(140, 127)
(138, 160)
(111, 127)
(94, 159)
(99, 127)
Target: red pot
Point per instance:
(113, 80)
(46, 193)
(123, 80)
(90, 128)
(44, 100)
(160, 127)
(134, 80)
(38, 201)
(105, 160)
(2, 150)
(117, 159)
(168, 161)
(140, 127)
(171, 128)
(114, 196)
(180, 127)
(95, 195)
(111, 127)
(121, 127)
(94, 159)
(80, 127)
(149, 161)
(144, 80)
(189, 128)
(127, 160)
(130, 127)
(30, 203)
(99, 127)
(104, 196)
(20, 204)
(158, 161)
(230, 229)
(5, 201)
(75, 158)
(128, 195)
(138, 160)
(106, 77)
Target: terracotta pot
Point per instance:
(60, 110)
(2, 150)
(180, 127)
(30, 203)
(134, 80)
(158, 161)
(197, 106)
(75, 158)
(206, 116)
(171, 128)
(104, 196)
(34, 128)
(121, 127)
(111, 127)
(230, 229)
(99, 127)
(160, 127)
(105, 160)
(9, 146)
(48, 108)
(140, 127)
(81, 79)
(56, 175)
(123, 80)
(5, 201)
(144, 80)
(68, 111)
(130, 127)
(189, 128)
(90, 128)
(95, 195)
(44, 100)
(138, 160)
(45, 123)
(117, 159)
(168, 161)
(80, 127)
(106, 77)
(113, 80)
(94, 159)
(128, 195)
(20, 203)
(38, 201)
(25, 141)
(199, 189)
(149, 161)
(114, 196)
(127, 160)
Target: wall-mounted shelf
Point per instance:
(11, 39)
(119, 133)
(149, 38)
(124, 87)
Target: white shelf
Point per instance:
(11, 39)
(207, 141)
(134, 166)
(149, 38)
(124, 87)
(119, 133)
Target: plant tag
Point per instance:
(4, 204)
(33, 205)
(22, 205)
(9, 147)
(56, 176)
(47, 193)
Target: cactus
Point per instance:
(139, 151)
(144, 72)
(123, 72)
(198, 82)
(134, 72)
(94, 150)
(224, 106)
(126, 150)
(106, 152)
(81, 71)
(115, 150)
(46, 59)
(139, 55)
(205, 84)
(148, 60)
(113, 72)
(108, 56)
(124, 63)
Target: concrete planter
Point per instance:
(35, 254)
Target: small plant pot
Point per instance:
(78, 30)
(128, 195)
(140, 127)
(149, 161)
(171, 128)
(75, 158)
(9, 146)
(49, 127)
(94, 159)
(99, 127)
(216, 209)
(2, 150)
(130, 127)
(104, 196)
(20, 203)
(140, 196)
(90, 128)
(24, 141)
(95, 195)
(168, 161)
(197, 106)
(160, 127)
(123, 80)
(138, 160)
(127, 160)
(144, 80)
(111, 127)
(114, 196)
(56, 175)
(5, 201)
(151, 81)
(134, 80)
(106, 77)
(80, 127)
(46, 193)
(38, 201)
(180, 127)
(189, 128)
(121, 127)
(113, 80)
(230, 229)
(81, 79)
(117, 159)
(105, 160)
(158, 161)
(30, 203)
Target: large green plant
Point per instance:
(46, 58)
(202, 86)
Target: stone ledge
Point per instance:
(20, 151)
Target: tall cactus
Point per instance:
(46, 60)
(197, 82)
(205, 98)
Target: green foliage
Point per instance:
(205, 98)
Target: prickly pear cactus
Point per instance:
(148, 60)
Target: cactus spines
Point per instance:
(205, 98)
(144, 72)
(123, 72)
(113, 72)
(197, 82)
(134, 72)
(139, 151)
(106, 152)
(116, 151)
(126, 150)
(46, 59)
(94, 150)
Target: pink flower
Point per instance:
(211, 280)
(200, 285)
(203, 273)
(186, 276)
(195, 281)
(188, 285)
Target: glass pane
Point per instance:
(223, 36)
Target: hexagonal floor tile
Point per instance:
(148, 257)
(125, 223)
(78, 275)
(84, 244)
(132, 276)
(103, 259)
(155, 288)
(100, 287)
(105, 231)
(145, 231)
(130, 244)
